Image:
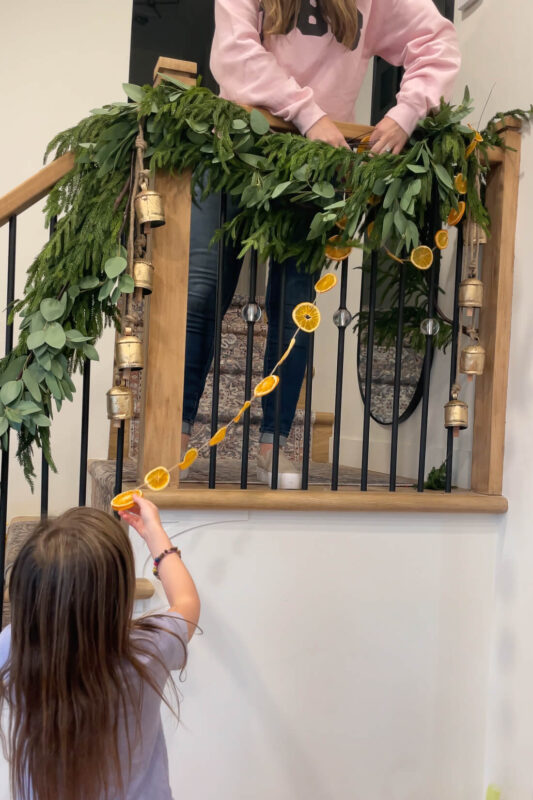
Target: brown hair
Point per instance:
(281, 16)
(74, 670)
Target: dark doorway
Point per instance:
(174, 28)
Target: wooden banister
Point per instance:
(35, 188)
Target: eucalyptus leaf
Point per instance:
(91, 352)
(302, 173)
(4, 425)
(75, 336)
(54, 335)
(31, 385)
(324, 189)
(387, 225)
(45, 361)
(26, 407)
(443, 176)
(417, 168)
(15, 418)
(106, 289)
(11, 391)
(12, 372)
(115, 266)
(239, 124)
(258, 122)
(89, 282)
(73, 291)
(36, 340)
(134, 92)
(126, 284)
(57, 369)
(115, 295)
(53, 386)
(53, 309)
(42, 421)
(280, 188)
(37, 322)
(400, 222)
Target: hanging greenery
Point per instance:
(295, 194)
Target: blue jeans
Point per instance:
(201, 320)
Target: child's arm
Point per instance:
(178, 585)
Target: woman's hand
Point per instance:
(325, 130)
(388, 137)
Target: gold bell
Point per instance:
(472, 360)
(456, 414)
(471, 293)
(149, 208)
(143, 276)
(119, 403)
(129, 351)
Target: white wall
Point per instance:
(59, 60)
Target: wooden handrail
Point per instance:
(35, 188)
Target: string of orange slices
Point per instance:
(306, 317)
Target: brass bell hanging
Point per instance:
(456, 414)
(129, 351)
(472, 360)
(143, 275)
(149, 208)
(471, 293)
(119, 403)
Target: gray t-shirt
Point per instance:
(149, 760)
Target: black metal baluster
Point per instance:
(218, 346)
(4, 479)
(45, 469)
(369, 368)
(119, 463)
(397, 382)
(341, 318)
(307, 412)
(251, 319)
(82, 497)
(455, 345)
(428, 356)
(277, 406)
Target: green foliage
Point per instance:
(436, 479)
(292, 192)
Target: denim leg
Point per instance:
(201, 300)
(298, 287)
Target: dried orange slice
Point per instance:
(287, 351)
(335, 252)
(441, 239)
(470, 149)
(342, 223)
(363, 144)
(477, 136)
(244, 408)
(266, 386)
(306, 316)
(157, 479)
(218, 437)
(125, 500)
(326, 283)
(394, 258)
(422, 257)
(456, 216)
(374, 199)
(370, 228)
(190, 456)
(460, 183)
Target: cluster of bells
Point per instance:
(129, 353)
(472, 358)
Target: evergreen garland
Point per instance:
(292, 192)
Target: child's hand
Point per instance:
(144, 517)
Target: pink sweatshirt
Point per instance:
(306, 74)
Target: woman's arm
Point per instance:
(178, 585)
(250, 74)
(412, 34)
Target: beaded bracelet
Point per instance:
(160, 557)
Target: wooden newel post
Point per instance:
(166, 313)
(495, 317)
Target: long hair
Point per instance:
(74, 672)
(281, 16)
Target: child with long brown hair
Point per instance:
(82, 681)
(304, 60)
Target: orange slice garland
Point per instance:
(190, 456)
(125, 500)
(336, 253)
(286, 353)
(157, 479)
(326, 283)
(394, 258)
(460, 183)
(218, 437)
(442, 239)
(306, 316)
(242, 410)
(266, 386)
(422, 257)
(456, 216)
